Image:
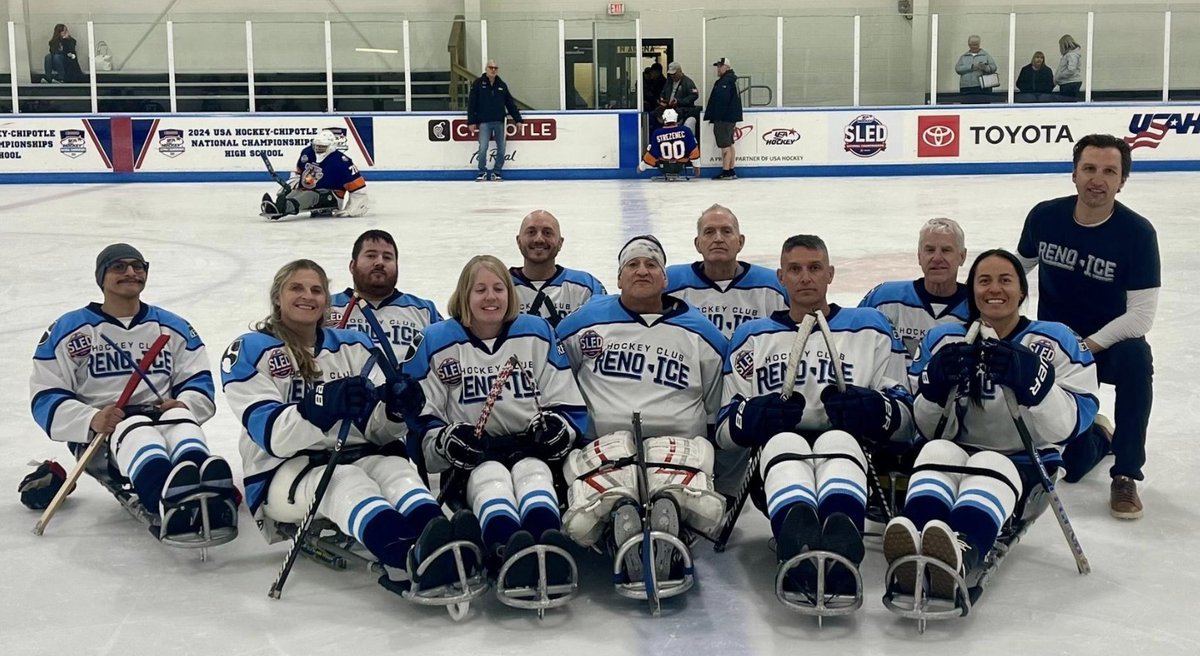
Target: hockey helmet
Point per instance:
(670, 116)
(324, 140)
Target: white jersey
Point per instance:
(1067, 411)
(753, 293)
(76, 372)
(456, 371)
(565, 292)
(402, 316)
(913, 311)
(669, 370)
(263, 388)
(757, 357)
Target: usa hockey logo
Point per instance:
(449, 371)
(170, 142)
(591, 344)
(1044, 348)
(280, 364)
(72, 143)
(865, 136)
(743, 363)
(781, 137)
(79, 346)
(340, 133)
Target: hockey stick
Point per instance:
(138, 371)
(544, 299)
(952, 400)
(649, 576)
(275, 176)
(789, 386)
(350, 305)
(839, 376)
(101, 439)
(451, 478)
(311, 514)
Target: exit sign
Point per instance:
(616, 9)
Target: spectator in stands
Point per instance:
(1035, 83)
(724, 110)
(652, 86)
(1069, 75)
(680, 94)
(62, 50)
(487, 106)
(971, 66)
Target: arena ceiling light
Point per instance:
(385, 51)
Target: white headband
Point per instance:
(644, 246)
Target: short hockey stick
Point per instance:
(952, 400)
(137, 371)
(323, 484)
(100, 440)
(451, 477)
(275, 176)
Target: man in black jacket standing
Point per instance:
(486, 107)
(724, 110)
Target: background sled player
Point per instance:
(915, 306)
(325, 181)
(536, 419)
(954, 515)
(647, 351)
(672, 147)
(544, 288)
(81, 365)
(292, 382)
(814, 503)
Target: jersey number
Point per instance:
(671, 150)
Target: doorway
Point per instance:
(603, 73)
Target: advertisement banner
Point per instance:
(769, 139)
(556, 141)
(55, 145)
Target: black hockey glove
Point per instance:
(759, 419)
(1017, 368)
(344, 398)
(38, 488)
(551, 435)
(456, 444)
(402, 396)
(864, 413)
(949, 366)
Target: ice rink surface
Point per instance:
(96, 583)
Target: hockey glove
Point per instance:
(864, 413)
(1017, 368)
(456, 445)
(551, 435)
(759, 419)
(952, 365)
(402, 396)
(39, 488)
(344, 398)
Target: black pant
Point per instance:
(1129, 366)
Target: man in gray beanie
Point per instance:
(81, 368)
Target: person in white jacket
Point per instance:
(972, 65)
(1069, 74)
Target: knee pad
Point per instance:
(599, 474)
(701, 508)
(279, 505)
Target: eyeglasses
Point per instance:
(493, 68)
(121, 266)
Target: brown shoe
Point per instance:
(1124, 502)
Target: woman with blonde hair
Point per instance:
(1069, 74)
(500, 405)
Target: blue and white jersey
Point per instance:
(456, 371)
(1067, 411)
(912, 310)
(332, 170)
(671, 144)
(753, 293)
(667, 368)
(565, 292)
(77, 372)
(756, 362)
(402, 316)
(263, 387)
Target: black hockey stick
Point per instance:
(839, 376)
(649, 576)
(789, 386)
(319, 494)
(555, 317)
(952, 400)
(275, 176)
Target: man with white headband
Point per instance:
(652, 353)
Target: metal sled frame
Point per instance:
(543, 595)
(820, 605)
(668, 588)
(122, 489)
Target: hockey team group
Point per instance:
(557, 419)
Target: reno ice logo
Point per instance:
(865, 136)
(591, 344)
(72, 143)
(79, 346)
(743, 363)
(450, 372)
(280, 364)
(170, 142)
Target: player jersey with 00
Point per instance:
(76, 372)
(1067, 411)
(402, 316)
(669, 370)
(336, 172)
(753, 293)
(671, 144)
(757, 358)
(909, 308)
(565, 292)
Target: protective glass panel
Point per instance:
(894, 63)
(526, 52)
(1185, 52)
(289, 66)
(1042, 32)
(962, 74)
(209, 79)
(749, 42)
(1127, 63)
(818, 61)
(58, 81)
(368, 64)
(445, 61)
